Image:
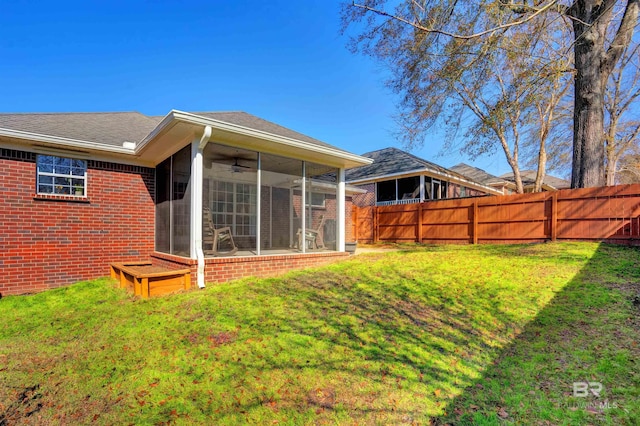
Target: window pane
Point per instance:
(62, 181)
(45, 159)
(63, 190)
(46, 180)
(45, 168)
(59, 161)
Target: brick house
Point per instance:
(81, 190)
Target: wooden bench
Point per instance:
(147, 284)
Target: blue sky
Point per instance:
(282, 60)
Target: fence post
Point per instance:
(475, 221)
(554, 216)
(354, 219)
(419, 233)
(375, 224)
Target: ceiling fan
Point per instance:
(239, 168)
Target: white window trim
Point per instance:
(82, 177)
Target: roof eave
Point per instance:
(61, 142)
(341, 158)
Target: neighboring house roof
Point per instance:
(150, 137)
(393, 163)
(529, 178)
(478, 175)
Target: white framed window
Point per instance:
(317, 200)
(61, 176)
(234, 205)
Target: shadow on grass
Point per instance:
(420, 353)
(587, 335)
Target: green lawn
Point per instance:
(440, 334)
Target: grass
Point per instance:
(458, 334)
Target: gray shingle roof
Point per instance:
(251, 121)
(529, 178)
(114, 128)
(476, 174)
(111, 128)
(389, 161)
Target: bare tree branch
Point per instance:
(416, 25)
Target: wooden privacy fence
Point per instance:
(604, 214)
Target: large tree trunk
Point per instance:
(593, 66)
(588, 113)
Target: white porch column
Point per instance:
(341, 206)
(197, 177)
(259, 206)
(303, 211)
(421, 188)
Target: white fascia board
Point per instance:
(431, 173)
(189, 118)
(64, 142)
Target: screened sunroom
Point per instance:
(233, 191)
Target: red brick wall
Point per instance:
(348, 219)
(222, 269)
(225, 269)
(50, 242)
(367, 199)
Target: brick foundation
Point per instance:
(218, 270)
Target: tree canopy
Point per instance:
(499, 68)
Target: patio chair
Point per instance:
(220, 239)
(312, 237)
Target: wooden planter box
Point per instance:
(146, 281)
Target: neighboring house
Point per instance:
(549, 183)
(81, 190)
(398, 177)
(506, 182)
(503, 186)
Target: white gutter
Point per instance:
(65, 142)
(197, 177)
